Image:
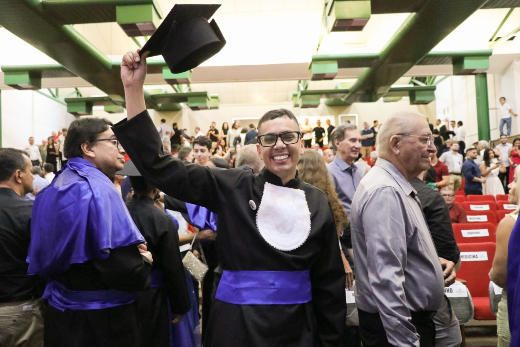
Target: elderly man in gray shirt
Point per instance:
(399, 278)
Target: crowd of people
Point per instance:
(111, 251)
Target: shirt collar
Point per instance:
(397, 176)
(81, 161)
(9, 191)
(270, 177)
(343, 165)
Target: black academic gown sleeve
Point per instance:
(193, 183)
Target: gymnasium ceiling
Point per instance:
(270, 44)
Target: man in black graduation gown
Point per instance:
(167, 299)
(283, 282)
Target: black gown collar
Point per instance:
(270, 177)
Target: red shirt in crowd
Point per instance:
(458, 214)
(441, 169)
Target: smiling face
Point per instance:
(414, 152)
(281, 159)
(105, 155)
(201, 154)
(348, 149)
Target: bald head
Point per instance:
(406, 141)
(397, 123)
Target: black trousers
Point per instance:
(373, 333)
(504, 179)
(307, 143)
(35, 162)
(472, 192)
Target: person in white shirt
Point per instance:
(198, 132)
(163, 128)
(453, 159)
(504, 147)
(48, 172)
(34, 153)
(317, 148)
(505, 112)
(306, 130)
(166, 141)
(60, 146)
(461, 136)
(438, 124)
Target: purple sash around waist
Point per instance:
(264, 287)
(63, 299)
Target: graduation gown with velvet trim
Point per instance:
(232, 194)
(156, 304)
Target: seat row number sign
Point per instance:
(479, 207)
(477, 218)
(475, 233)
(473, 256)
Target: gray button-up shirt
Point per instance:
(346, 179)
(397, 267)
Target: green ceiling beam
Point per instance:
(323, 70)
(295, 99)
(309, 101)
(95, 100)
(23, 80)
(90, 11)
(214, 101)
(421, 97)
(114, 109)
(348, 15)
(138, 20)
(470, 65)
(80, 108)
(501, 24)
(505, 37)
(26, 19)
(392, 98)
(178, 78)
(197, 103)
(417, 36)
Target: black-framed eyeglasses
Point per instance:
(288, 138)
(425, 139)
(114, 142)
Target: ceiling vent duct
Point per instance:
(323, 70)
(349, 15)
(176, 78)
(23, 80)
(470, 65)
(138, 20)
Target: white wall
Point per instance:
(26, 113)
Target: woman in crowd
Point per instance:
(233, 133)
(52, 153)
(312, 169)
(438, 141)
(218, 152)
(514, 157)
(223, 144)
(224, 132)
(498, 273)
(186, 154)
(490, 167)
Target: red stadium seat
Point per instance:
(459, 193)
(502, 197)
(477, 259)
(482, 216)
(474, 232)
(501, 214)
(505, 205)
(459, 199)
(480, 198)
(479, 206)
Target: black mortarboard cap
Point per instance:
(185, 38)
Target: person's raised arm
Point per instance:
(133, 73)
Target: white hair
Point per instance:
(398, 123)
(484, 144)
